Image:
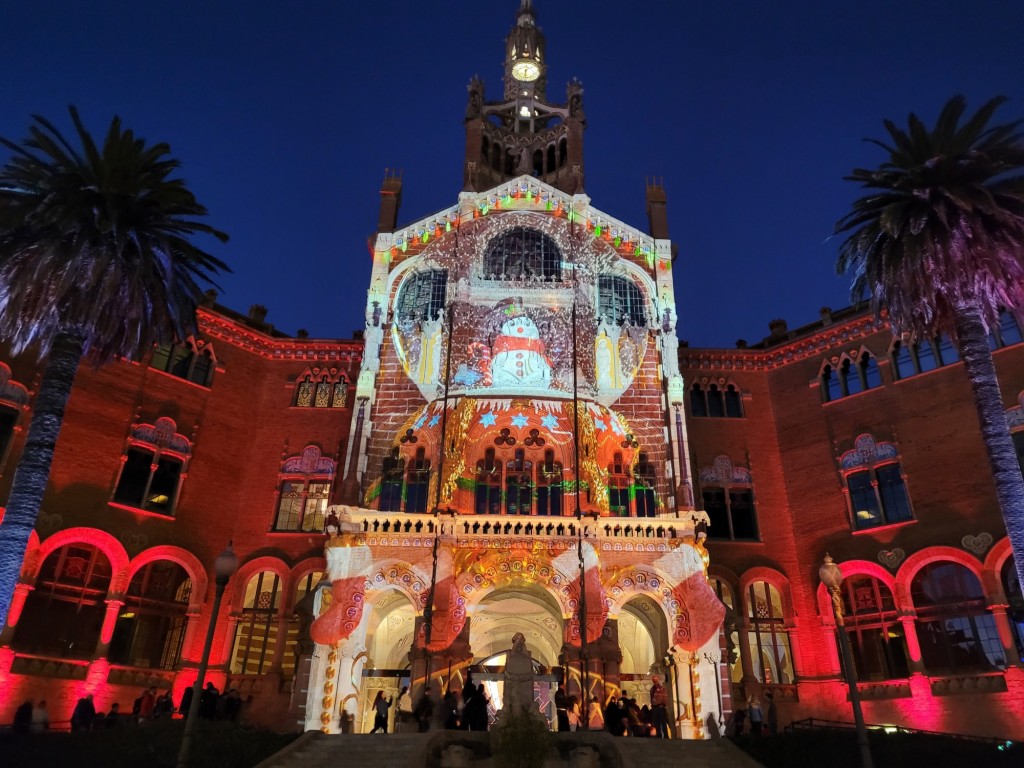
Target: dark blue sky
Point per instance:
(285, 116)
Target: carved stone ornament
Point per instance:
(891, 558)
(979, 544)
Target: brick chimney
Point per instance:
(390, 200)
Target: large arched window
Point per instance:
(422, 297)
(417, 482)
(488, 484)
(876, 635)
(392, 481)
(549, 485)
(1015, 598)
(291, 656)
(151, 625)
(955, 630)
(850, 377)
(519, 484)
(63, 615)
(620, 301)
(767, 638)
(256, 635)
(521, 254)
(910, 359)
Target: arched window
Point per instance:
(618, 487)
(304, 491)
(1015, 598)
(152, 468)
(417, 483)
(620, 301)
(391, 482)
(644, 481)
(955, 630)
(422, 297)
(563, 154)
(549, 485)
(768, 639)
(875, 632)
(520, 253)
(725, 594)
(922, 356)
(713, 401)
(698, 401)
(850, 377)
(728, 495)
(151, 625)
(519, 484)
(877, 492)
(551, 159)
(488, 484)
(63, 615)
(1007, 333)
(189, 360)
(256, 635)
(291, 657)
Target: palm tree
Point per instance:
(95, 259)
(938, 243)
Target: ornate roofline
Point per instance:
(812, 345)
(217, 326)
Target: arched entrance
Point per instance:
(495, 619)
(643, 641)
(389, 635)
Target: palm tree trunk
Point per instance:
(33, 472)
(1002, 457)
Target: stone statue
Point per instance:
(518, 691)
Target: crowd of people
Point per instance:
(760, 722)
(149, 706)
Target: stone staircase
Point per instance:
(316, 750)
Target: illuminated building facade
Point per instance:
(516, 443)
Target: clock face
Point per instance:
(525, 71)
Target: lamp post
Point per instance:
(223, 567)
(832, 577)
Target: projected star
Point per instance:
(520, 421)
(435, 419)
(488, 419)
(549, 422)
(599, 425)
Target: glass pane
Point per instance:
(202, 370)
(165, 485)
(134, 477)
(733, 408)
(904, 360)
(866, 513)
(522, 253)
(161, 357)
(895, 502)
(869, 369)
(744, 519)
(1018, 443)
(316, 506)
(698, 404)
(289, 507)
(833, 387)
(714, 505)
(716, 403)
(948, 352)
(925, 356)
(851, 378)
(1009, 331)
(323, 395)
(304, 396)
(340, 395)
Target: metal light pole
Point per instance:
(224, 568)
(832, 577)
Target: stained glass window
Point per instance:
(417, 483)
(304, 395)
(520, 254)
(184, 362)
(768, 639)
(392, 481)
(549, 485)
(340, 395)
(256, 635)
(876, 634)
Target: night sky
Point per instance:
(285, 116)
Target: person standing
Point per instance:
(424, 711)
(573, 714)
(659, 701)
(405, 717)
(755, 716)
(84, 714)
(380, 719)
(772, 717)
(23, 718)
(147, 703)
(208, 702)
(562, 709)
(595, 715)
(40, 718)
(113, 718)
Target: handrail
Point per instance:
(810, 723)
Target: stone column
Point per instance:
(687, 693)
(1006, 639)
(114, 605)
(913, 644)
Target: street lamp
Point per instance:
(223, 567)
(832, 577)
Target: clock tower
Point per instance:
(524, 133)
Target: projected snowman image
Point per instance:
(517, 356)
